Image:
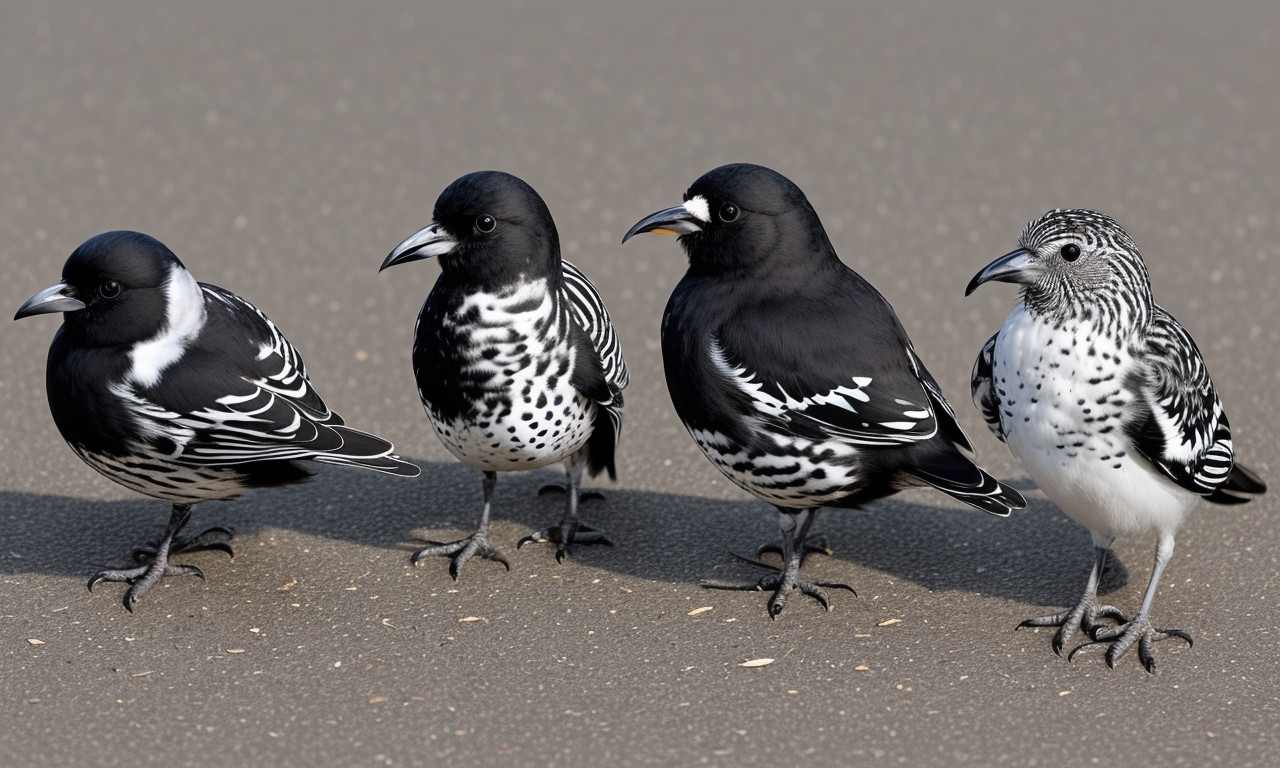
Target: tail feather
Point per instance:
(603, 443)
(361, 449)
(961, 479)
(1242, 485)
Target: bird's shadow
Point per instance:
(1036, 556)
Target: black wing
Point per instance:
(983, 390)
(604, 373)
(241, 394)
(1181, 428)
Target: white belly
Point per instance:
(1063, 407)
(516, 368)
(521, 437)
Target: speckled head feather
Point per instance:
(1087, 268)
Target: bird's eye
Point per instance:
(485, 223)
(109, 289)
(728, 212)
(1070, 252)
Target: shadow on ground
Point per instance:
(1036, 556)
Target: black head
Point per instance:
(740, 217)
(490, 225)
(112, 290)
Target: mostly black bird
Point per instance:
(516, 361)
(1108, 403)
(794, 375)
(182, 391)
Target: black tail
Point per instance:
(960, 478)
(361, 449)
(603, 443)
(1241, 486)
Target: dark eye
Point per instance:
(485, 223)
(1070, 252)
(109, 289)
(728, 212)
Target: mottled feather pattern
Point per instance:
(982, 390)
(1186, 433)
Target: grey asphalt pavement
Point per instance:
(281, 150)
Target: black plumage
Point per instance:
(516, 361)
(182, 391)
(792, 373)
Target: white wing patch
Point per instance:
(844, 397)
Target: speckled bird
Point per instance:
(1107, 401)
(517, 363)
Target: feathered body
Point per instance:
(515, 358)
(180, 390)
(792, 373)
(1101, 393)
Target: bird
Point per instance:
(793, 375)
(1107, 402)
(182, 391)
(516, 361)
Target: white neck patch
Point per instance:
(184, 317)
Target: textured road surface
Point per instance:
(282, 150)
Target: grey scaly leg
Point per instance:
(570, 530)
(1087, 612)
(1139, 630)
(142, 578)
(477, 543)
(794, 526)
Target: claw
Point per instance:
(462, 551)
(555, 534)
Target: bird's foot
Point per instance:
(816, 547)
(1123, 637)
(1084, 616)
(568, 532)
(142, 578)
(549, 488)
(461, 551)
(215, 538)
(782, 582)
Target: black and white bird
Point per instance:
(794, 375)
(182, 391)
(1106, 400)
(516, 361)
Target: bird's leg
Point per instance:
(803, 544)
(477, 543)
(144, 577)
(787, 579)
(1139, 630)
(214, 538)
(570, 530)
(1086, 613)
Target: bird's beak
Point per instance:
(1014, 267)
(431, 240)
(55, 298)
(679, 220)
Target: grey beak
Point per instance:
(1013, 267)
(431, 240)
(678, 220)
(55, 298)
